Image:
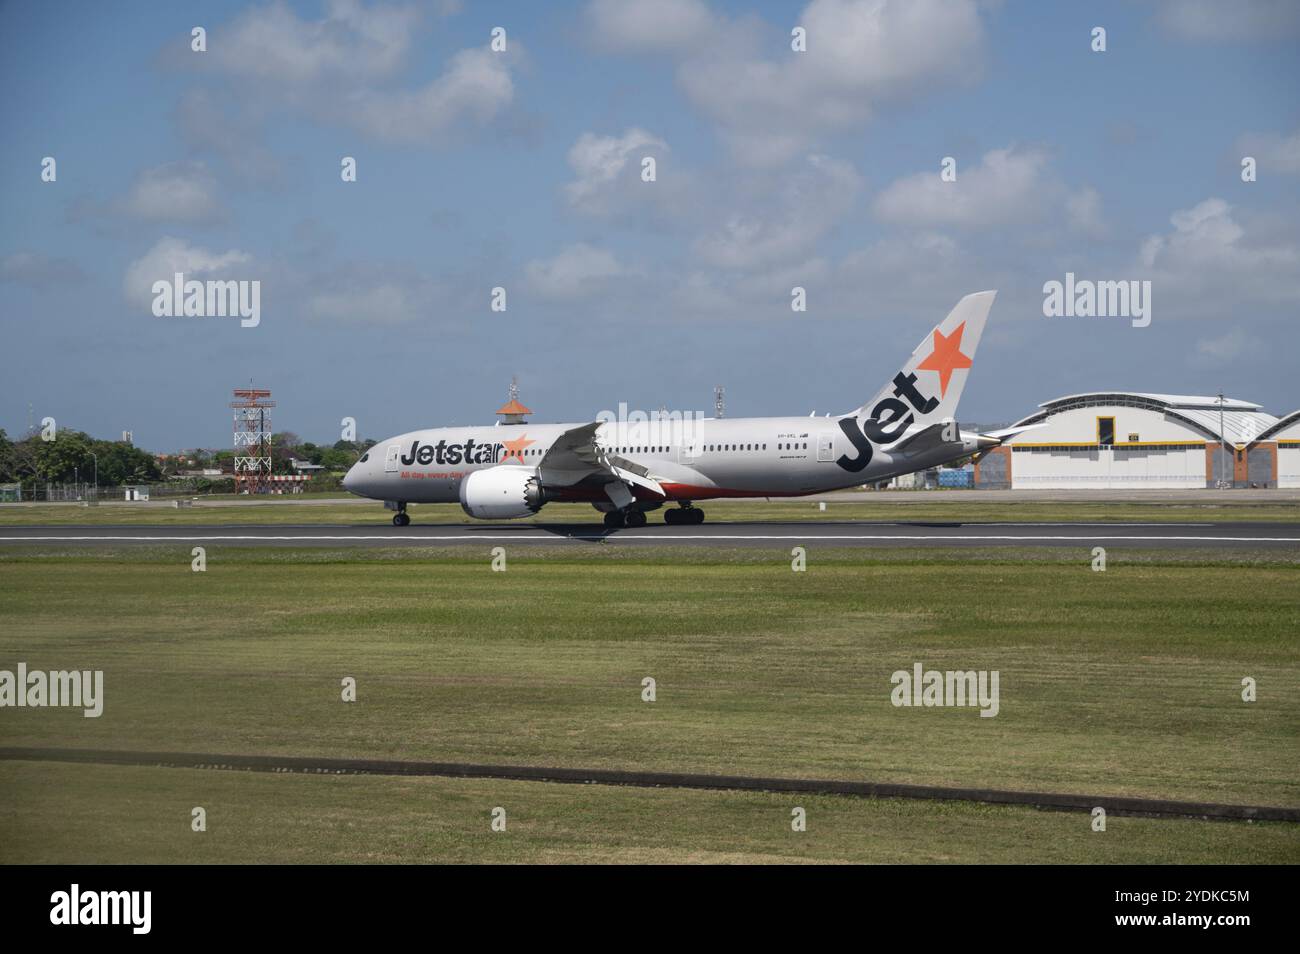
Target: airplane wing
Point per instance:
(575, 457)
(572, 457)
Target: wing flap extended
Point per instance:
(634, 473)
(574, 457)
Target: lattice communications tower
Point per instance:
(252, 407)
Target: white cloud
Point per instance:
(576, 272)
(598, 163)
(473, 89)
(665, 26)
(1008, 186)
(385, 301)
(38, 270)
(176, 192)
(170, 255)
(344, 68)
(1272, 152)
(805, 208)
(770, 109)
(891, 275)
(1202, 235)
(1083, 212)
(1213, 266)
(1214, 20)
(1234, 345)
(371, 292)
(209, 124)
(887, 279)
(273, 43)
(607, 183)
(173, 192)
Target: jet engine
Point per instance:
(501, 493)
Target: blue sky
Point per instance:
(521, 169)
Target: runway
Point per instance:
(738, 534)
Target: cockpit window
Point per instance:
(365, 457)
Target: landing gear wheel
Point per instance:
(401, 519)
(614, 520)
(685, 515)
(635, 518)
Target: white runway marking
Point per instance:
(1047, 524)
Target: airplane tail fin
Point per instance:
(928, 387)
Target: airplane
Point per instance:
(626, 468)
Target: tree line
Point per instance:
(76, 456)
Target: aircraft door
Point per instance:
(390, 458)
(826, 448)
(688, 439)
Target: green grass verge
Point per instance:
(1123, 682)
(97, 814)
(936, 506)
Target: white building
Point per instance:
(1285, 438)
(1116, 440)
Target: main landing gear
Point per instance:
(633, 517)
(686, 514)
(617, 519)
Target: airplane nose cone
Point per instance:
(350, 478)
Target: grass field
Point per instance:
(934, 506)
(1125, 682)
(100, 814)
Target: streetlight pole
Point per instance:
(1223, 446)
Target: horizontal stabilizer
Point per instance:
(924, 440)
(1006, 433)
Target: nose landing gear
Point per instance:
(401, 518)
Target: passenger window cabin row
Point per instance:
(708, 448)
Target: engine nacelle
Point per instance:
(503, 492)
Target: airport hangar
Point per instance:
(1129, 440)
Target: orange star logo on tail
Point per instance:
(946, 357)
(515, 448)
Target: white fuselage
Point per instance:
(629, 466)
(695, 459)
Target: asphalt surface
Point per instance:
(845, 534)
